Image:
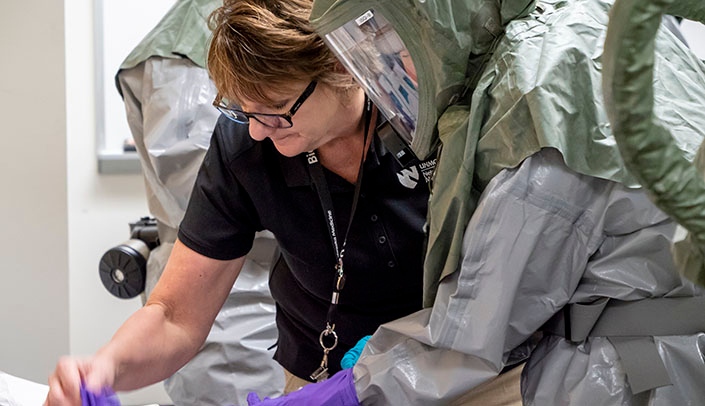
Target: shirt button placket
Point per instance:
(382, 239)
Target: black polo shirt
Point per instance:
(246, 186)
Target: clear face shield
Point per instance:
(375, 55)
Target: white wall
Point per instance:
(59, 215)
(34, 301)
(694, 33)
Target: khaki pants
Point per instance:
(504, 390)
(292, 382)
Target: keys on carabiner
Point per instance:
(321, 374)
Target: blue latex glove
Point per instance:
(350, 358)
(106, 397)
(338, 390)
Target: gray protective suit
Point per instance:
(168, 96)
(543, 236)
(534, 220)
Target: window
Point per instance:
(119, 26)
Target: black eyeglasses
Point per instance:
(266, 119)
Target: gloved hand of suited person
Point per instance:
(350, 358)
(338, 390)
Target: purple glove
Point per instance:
(106, 397)
(338, 390)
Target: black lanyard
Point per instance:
(319, 182)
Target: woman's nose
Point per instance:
(259, 131)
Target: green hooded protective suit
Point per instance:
(535, 222)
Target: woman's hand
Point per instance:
(65, 383)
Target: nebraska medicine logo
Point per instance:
(409, 177)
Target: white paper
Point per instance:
(21, 392)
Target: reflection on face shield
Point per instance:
(373, 52)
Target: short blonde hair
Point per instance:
(262, 45)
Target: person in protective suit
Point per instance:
(168, 95)
(537, 230)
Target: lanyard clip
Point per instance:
(340, 280)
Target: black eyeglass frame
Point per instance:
(242, 117)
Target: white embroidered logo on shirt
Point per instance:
(409, 177)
